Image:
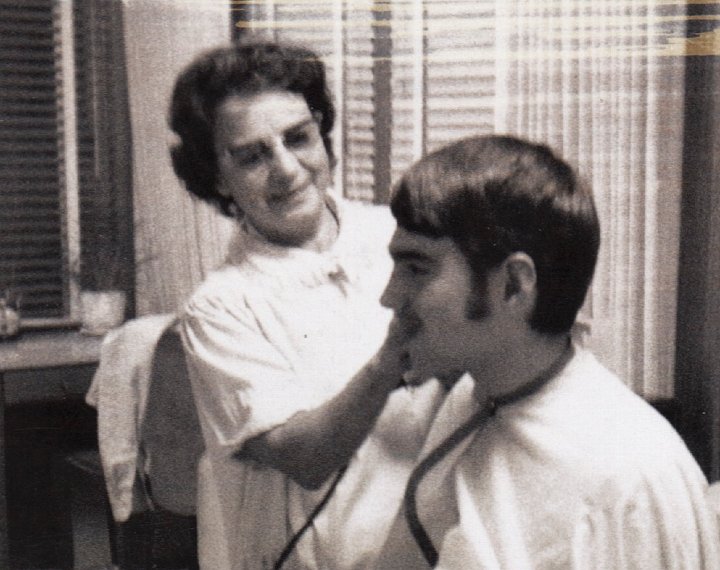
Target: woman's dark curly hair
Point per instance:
(241, 69)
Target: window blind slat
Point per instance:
(32, 58)
(27, 6)
(24, 86)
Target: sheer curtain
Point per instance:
(593, 80)
(177, 239)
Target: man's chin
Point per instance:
(449, 379)
(416, 377)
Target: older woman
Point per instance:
(309, 437)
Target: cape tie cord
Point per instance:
(416, 528)
(477, 420)
(290, 546)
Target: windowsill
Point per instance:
(48, 349)
(37, 324)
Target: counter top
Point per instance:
(48, 349)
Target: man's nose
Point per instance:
(391, 296)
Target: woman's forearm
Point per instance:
(313, 444)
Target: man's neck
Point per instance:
(531, 358)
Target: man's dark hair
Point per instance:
(241, 69)
(496, 195)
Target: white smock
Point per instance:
(274, 332)
(581, 475)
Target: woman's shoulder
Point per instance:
(223, 289)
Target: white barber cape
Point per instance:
(581, 475)
(281, 330)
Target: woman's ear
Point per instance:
(222, 188)
(520, 281)
(234, 210)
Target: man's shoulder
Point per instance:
(592, 427)
(611, 403)
(624, 435)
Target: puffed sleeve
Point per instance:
(243, 384)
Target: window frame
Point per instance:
(70, 185)
(92, 160)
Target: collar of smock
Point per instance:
(250, 248)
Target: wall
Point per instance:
(698, 329)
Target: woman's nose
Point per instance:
(285, 163)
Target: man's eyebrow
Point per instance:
(300, 124)
(409, 255)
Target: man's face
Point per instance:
(273, 164)
(429, 292)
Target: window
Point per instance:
(394, 102)
(35, 248)
(599, 82)
(61, 154)
(347, 38)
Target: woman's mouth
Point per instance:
(288, 199)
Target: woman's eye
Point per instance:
(297, 138)
(247, 157)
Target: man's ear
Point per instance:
(520, 280)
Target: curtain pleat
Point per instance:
(177, 238)
(590, 80)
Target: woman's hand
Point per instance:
(393, 356)
(312, 445)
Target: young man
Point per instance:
(539, 457)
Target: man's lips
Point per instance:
(409, 324)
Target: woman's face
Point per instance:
(273, 164)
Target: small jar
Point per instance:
(9, 320)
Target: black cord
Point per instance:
(290, 546)
(422, 538)
(416, 527)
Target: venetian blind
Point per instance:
(600, 82)
(408, 76)
(32, 239)
(358, 123)
(461, 70)
(407, 85)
